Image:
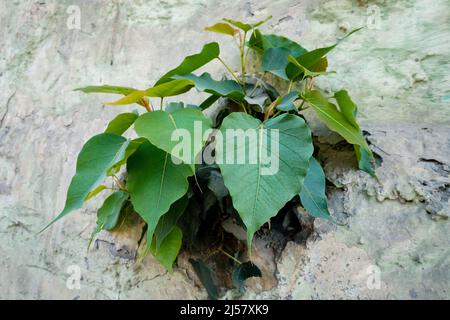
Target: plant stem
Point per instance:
(230, 256)
(228, 69)
(301, 105)
(147, 105)
(119, 183)
(242, 49)
(161, 104)
(290, 86)
(271, 107)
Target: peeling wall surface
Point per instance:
(396, 243)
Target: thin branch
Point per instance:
(229, 70)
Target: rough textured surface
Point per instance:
(397, 227)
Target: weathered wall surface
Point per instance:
(398, 227)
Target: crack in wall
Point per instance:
(8, 102)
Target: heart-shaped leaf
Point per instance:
(155, 183)
(278, 159)
(191, 63)
(163, 130)
(334, 119)
(96, 157)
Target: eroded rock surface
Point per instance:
(396, 241)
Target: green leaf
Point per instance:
(107, 89)
(313, 195)
(243, 272)
(238, 24)
(169, 220)
(191, 63)
(256, 41)
(155, 183)
(275, 61)
(121, 123)
(205, 276)
(246, 26)
(347, 106)
(350, 110)
(167, 253)
(132, 147)
(257, 24)
(254, 182)
(95, 192)
(159, 126)
(306, 72)
(97, 156)
(335, 120)
(174, 106)
(223, 28)
(365, 160)
(208, 102)
(109, 212)
(166, 89)
(224, 88)
(287, 102)
(275, 41)
(311, 58)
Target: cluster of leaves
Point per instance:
(164, 194)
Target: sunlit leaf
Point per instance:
(107, 89)
(95, 192)
(223, 28)
(166, 89)
(191, 63)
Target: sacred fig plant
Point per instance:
(243, 154)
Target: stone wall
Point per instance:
(396, 70)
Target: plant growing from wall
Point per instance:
(174, 192)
